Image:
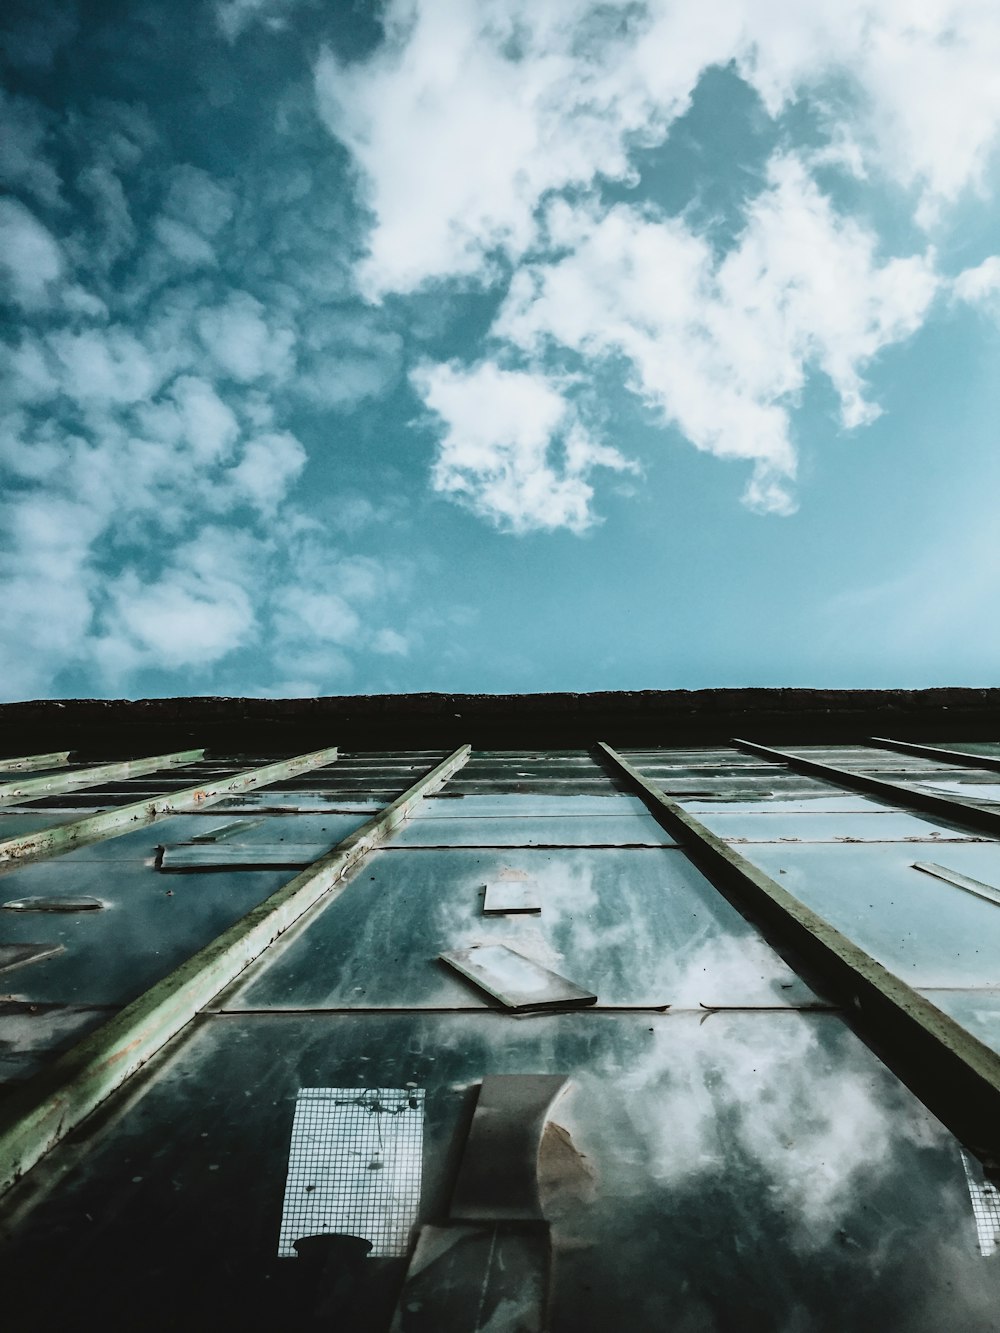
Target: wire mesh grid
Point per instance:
(354, 1167)
(985, 1206)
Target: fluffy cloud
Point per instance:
(235, 16)
(31, 260)
(513, 448)
(471, 119)
(193, 613)
(980, 285)
(721, 347)
(471, 112)
(24, 159)
(242, 342)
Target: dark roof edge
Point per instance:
(379, 721)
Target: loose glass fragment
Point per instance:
(54, 905)
(511, 895)
(516, 981)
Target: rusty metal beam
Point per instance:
(962, 757)
(25, 763)
(896, 793)
(120, 819)
(955, 1074)
(44, 1109)
(75, 779)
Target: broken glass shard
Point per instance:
(54, 905)
(516, 981)
(511, 895)
(204, 856)
(976, 886)
(13, 955)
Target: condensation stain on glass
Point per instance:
(354, 1167)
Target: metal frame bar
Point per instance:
(33, 789)
(44, 1109)
(931, 752)
(123, 818)
(896, 793)
(26, 762)
(955, 1074)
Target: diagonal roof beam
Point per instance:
(895, 793)
(120, 819)
(43, 1110)
(955, 1074)
(76, 779)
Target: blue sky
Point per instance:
(480, 346)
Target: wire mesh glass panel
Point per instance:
(354, 1167)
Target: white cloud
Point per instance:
(979, 285)
(472, 111)
(190, 615)
(267, 468)
(207, 425)
(513, 449)
(315, 615)
(184, 243)
(469, 113)
(235, 16)
(113, 216)
(104, 365)
(24, 160)
(199, 200)
(346, 358)
(484, 130)
(390, 642)
(242, 342)
(721, 348)
(30, 258)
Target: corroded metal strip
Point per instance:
(123, 818)
(42, 1111)
(25, 763)
(962, 757)
(33, 789)
(896, 793)
(953, 1072)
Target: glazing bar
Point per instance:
(896, 793)
(43, 1110)
(26, 762)
(33, 789)
(123, 818)
(951, 1071)
(932, 752)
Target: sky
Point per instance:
(498, 345)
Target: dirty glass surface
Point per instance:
(926, 931)
(636, 926)
(636, 830)
(151, 924)
(758, 1172)
(878, 824)
(977, 1010)
(736, 1161)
